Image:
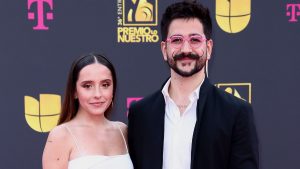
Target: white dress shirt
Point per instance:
(179, 131)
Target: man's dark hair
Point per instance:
(186, 10)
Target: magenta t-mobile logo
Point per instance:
(39, 15)
(293, 11)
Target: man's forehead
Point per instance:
(185, 27)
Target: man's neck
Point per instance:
(181, 87)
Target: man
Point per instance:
(189, 123)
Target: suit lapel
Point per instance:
(157, 134)
(200, 108)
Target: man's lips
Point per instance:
(186, 58)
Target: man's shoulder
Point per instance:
(228, 99)
(146, 106)
(215, 95)
(148, 100)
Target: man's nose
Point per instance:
(186, 47)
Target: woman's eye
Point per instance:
(106, 85)
(87, 86)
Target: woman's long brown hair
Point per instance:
(70, 104)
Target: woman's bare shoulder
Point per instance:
(122, 126)
(57, 148)
(59, 132)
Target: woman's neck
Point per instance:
(90, 120)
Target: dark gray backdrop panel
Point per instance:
(35, 62)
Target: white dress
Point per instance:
(100, 161)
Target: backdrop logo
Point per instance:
(134, 20)
(39, 15)
(293, 11)
(139, 13)
(42, 115)
(233, 16)
(240, 90)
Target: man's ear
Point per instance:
(209, 47)
(163, 47)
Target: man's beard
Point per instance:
(200, 63)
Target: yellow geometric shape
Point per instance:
(234, 92)
(233, 16)
(231, 88)
(42, 116)
(129, 16)
(144, 12)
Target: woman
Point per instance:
(85, 138)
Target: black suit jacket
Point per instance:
(224, 135)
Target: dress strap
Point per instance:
(122, 136)
(74, 140)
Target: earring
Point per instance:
(112, 104)
(206, 68)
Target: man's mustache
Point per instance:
(183, 55)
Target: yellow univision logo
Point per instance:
(42, 115)
(233, 16)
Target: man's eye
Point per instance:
(176, 40)
(195, 40)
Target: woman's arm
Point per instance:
(57, 149)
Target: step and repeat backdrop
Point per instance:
(255, 57)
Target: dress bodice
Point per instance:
(84, 161)
(101, 162)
